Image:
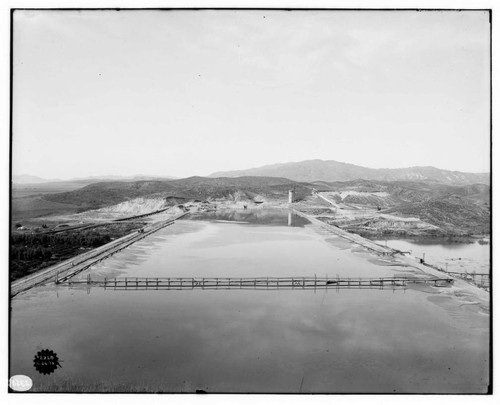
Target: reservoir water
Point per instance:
(282, 341)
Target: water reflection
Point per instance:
(253, 341)
(249, 340)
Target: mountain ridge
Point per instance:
(331, 171)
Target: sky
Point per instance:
(182, 93)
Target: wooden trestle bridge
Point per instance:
(191, 283)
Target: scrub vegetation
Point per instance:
(30, 252)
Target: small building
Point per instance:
(291, 195)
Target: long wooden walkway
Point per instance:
(190, 283)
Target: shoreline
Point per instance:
(470, 292)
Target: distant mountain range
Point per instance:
(305, 171)
(29, 179)
(331, 170)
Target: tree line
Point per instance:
(40, 246)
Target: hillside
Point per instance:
(453, 209)
(192, 188)
(25, 185)
(330, 170)
(448, 214)
(461, 209)
(396, 192)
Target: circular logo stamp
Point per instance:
(46, 362)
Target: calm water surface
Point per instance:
(251, 340)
